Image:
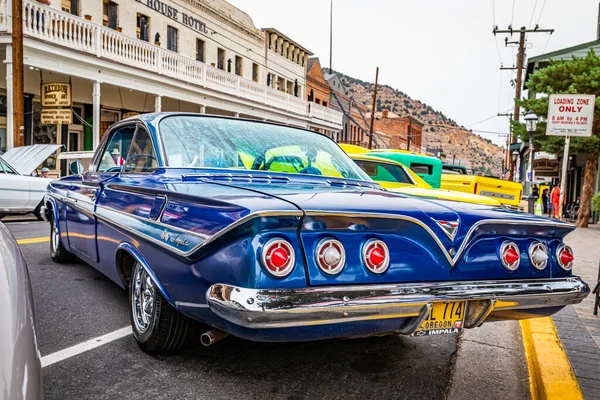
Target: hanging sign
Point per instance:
(570, 115)
(56, 95)
(53, 116)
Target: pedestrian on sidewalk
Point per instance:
(555, 198)
(545, 201)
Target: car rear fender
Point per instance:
(133, 252)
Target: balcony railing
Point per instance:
(76, 33)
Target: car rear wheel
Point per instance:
(57, 251)
(157, 326)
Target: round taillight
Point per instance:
(564, 256)
(509, 255)
(330, 256)
(538, 255)
(278, 257)
(376, 256)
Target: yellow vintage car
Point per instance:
(395, 177)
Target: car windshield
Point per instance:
(385, 172)
(200, 142)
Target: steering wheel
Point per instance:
(138, 156)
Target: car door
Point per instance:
(84, 191)
(14, 189)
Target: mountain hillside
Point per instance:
(457, 142)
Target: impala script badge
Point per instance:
(173, 239)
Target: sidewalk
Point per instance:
(577, 326)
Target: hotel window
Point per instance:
(255, 72)
(171, 38)
(238, 65)
(200, 50)
(221, 59)
(70, 6)
(110, 13)
(143, 27)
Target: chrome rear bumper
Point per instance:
(281, 308)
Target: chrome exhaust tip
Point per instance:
(213, 336)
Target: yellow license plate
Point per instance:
(444, 318)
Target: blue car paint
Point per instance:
(200, 203)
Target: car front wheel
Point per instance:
(157, 326)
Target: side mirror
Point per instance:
(76, 167)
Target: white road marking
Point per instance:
(85, 346)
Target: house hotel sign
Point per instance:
(176, 15)
(56, 95)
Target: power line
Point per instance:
(512, 18)
(533, 12)
(541, 11)
(482, 121)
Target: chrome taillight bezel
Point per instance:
(373, 243)
(504, 247)
(289, 265)
(536, 246)
(323, 246)
(559, 250)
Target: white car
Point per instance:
(20, 191)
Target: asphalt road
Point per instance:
(74, 304)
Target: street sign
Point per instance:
(56, 95)
(570, 115)
(53, 116)
(529, 177)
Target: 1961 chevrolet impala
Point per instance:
(272, 233)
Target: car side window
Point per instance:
(5, 169)
(424, 169)
(141, 156)
(113, 156)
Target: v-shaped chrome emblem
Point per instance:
(450, 228)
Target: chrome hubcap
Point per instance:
(142, 298)
(54, 238)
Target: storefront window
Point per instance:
(107, 118)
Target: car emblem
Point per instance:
(449, 227)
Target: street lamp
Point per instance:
(531, 124)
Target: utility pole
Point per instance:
(374, 109)
(508, 155)
(331, 37)
(17, 72)
(520, 61)
(409, 134)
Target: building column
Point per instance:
(96, 116)
(237, 114)
(158, 103)
(10, 132)
(202, 109)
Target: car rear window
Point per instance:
(423, 169)
(384, 172)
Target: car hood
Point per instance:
(27, 158)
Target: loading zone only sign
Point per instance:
(570, 115)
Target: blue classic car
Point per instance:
(271, 233)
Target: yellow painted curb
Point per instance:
(33, 240)
(550, 373)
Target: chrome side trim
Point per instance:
(208, 239)
(281, 308)
(468, 236)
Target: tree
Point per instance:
(576, 76)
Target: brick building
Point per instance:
(405, 133)
(317, 88)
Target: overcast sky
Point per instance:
(438, 51)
